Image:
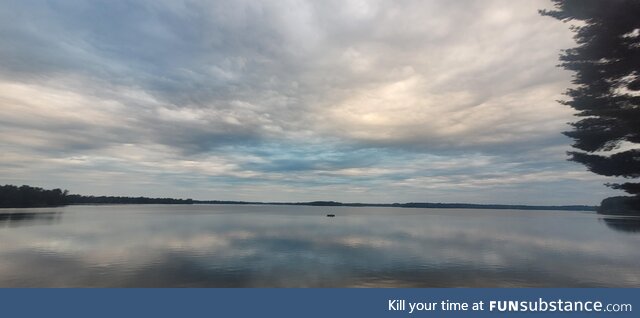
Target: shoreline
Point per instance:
(411, 205)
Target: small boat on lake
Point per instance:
(331, 215)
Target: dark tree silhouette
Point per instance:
(606, 62)
(25, 196)
(12, 196)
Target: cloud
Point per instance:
(231, 99)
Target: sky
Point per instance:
(352, 101)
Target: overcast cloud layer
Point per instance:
(370, 101)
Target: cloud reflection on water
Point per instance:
(280, 246)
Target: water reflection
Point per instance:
(623, 224)
(268, 246)
(14, 219)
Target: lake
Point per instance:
(299, 246)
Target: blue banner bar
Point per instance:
(253, 302)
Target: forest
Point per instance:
(12, 196)
(25, 196)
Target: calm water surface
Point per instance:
(293, 246)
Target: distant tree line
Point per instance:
(84, 199)
(25, 196)
(424, 205)
(495, 206)
(12, 196)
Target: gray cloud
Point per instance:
(406, 100)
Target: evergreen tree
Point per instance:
(606, 62)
